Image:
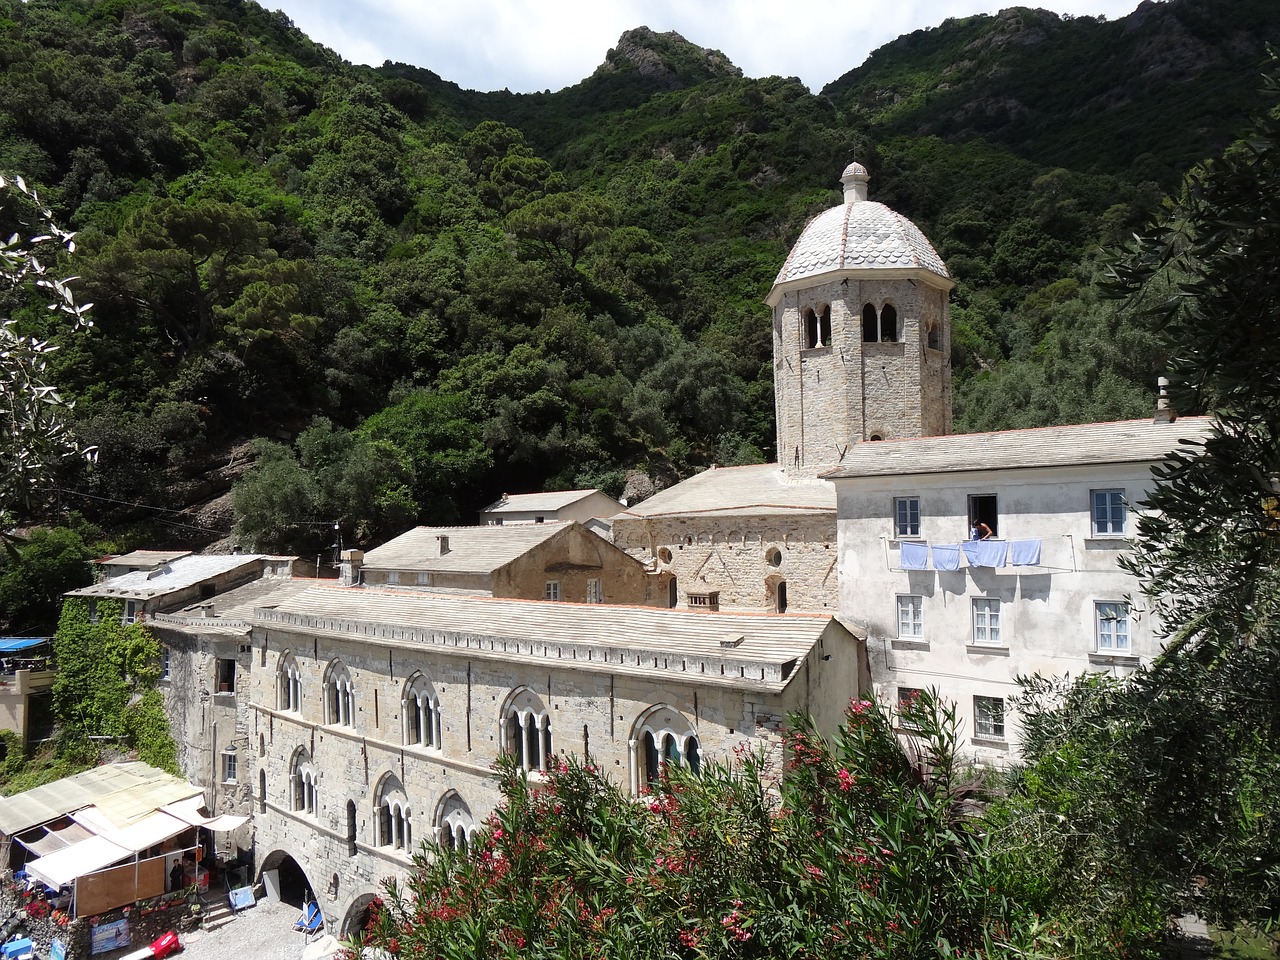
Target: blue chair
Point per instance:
(311, 920)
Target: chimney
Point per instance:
(444, 544)
(349, 569)
(1164, 410)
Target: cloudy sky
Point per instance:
(526, 45)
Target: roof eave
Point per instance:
(937, 281)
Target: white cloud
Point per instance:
(526, 45)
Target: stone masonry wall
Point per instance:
(735, 556)
(832, 396)
(591, 713)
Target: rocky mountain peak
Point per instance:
(667, 58)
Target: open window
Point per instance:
(817, 327)
(983, 508)
(226, 675)
(879, 326)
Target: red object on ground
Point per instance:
(165, 945)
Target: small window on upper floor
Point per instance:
(166, 663)
(934, 337)
(986, 622)
(984, 517)
(906, 516)
(229, 766)
(552, 590)
(594, 592)
(226, 675)
(288, 684)
(1108, 513)
(910, 617)
(393, 576)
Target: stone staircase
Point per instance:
(217, 913)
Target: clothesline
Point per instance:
(919, 555)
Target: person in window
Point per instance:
(980, 531)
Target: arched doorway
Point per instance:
(294, 885)
(357, 916)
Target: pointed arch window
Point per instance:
(304, 783)
(526, 730)
(288, 684)
(395, 823)
(339, 696)
(662, 737)
(423, 724)
(455, 827)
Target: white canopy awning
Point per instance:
(58, 869)
(152, 830)
(188, 811)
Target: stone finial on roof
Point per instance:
(855, 179)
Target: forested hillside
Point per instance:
(397, 299)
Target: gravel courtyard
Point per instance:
(263, 932)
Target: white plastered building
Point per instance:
(1044, 594)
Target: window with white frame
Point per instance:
(1108, 511)
(986, 621)
(906, 511)
(393, 576)
(988, 717)
(594, 593)
(420, 710)
(228, 766)
(552, 590)
(339, 696)
(911, 616)
(424, 578)
(525, 730)
(288, 684)
(1111, 622)
(303, 782)
(395, 826)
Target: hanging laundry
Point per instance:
(913, 555)
(984, 553)
(1024, 553)
(946, 556)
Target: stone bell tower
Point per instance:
(861, 334)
